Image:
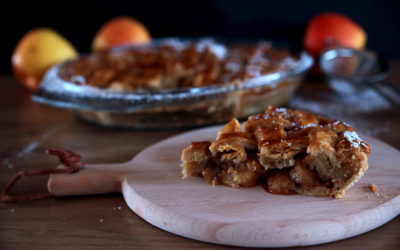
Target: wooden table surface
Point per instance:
(104, 221)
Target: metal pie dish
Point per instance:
(176, 107)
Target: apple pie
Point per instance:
(175, 64)
(289, 151)
(173, 83)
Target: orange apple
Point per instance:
(332, 29)
(36, 52)
(120, 31)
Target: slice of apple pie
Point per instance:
(290, 151)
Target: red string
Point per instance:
(69, 159)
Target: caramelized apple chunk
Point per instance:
(280, 183)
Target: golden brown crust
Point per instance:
(310, 155)
(195, 158)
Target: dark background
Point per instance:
(282, 21)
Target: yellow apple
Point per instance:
(36, 52)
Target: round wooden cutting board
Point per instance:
(154, 189)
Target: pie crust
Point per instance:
(289, 151)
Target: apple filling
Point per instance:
(289, 151)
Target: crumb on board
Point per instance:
(373, 188)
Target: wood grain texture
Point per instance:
(153, 188)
